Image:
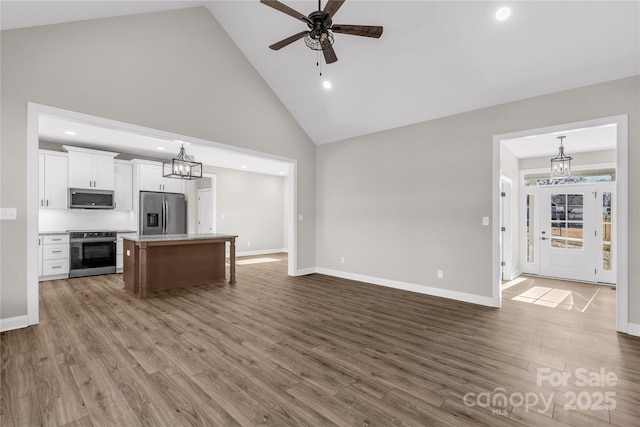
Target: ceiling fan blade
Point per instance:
(332, 7)
(358, 30)
(285, 9)
(329, 54)
(288, 40)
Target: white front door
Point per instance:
(568, 232)
(205, 211)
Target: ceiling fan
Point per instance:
(319, 36)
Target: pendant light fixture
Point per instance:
(561, 164)
(182, 167)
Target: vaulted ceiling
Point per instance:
(434, 59)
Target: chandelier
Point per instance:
(561, 164)
(182, 167)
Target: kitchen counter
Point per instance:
(48, 233)
(178, 237)
(158, 262)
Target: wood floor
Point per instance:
(314, 351)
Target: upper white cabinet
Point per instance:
(52, 180)
(150, 179)
(91, 169)
(123, 185)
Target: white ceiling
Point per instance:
(134, 145)
(577, 141)
(434, 59)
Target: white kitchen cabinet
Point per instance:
(52, 180)
(54, 256)
(92, 169)
(123, 185)
(151, 179)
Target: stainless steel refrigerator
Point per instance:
(162, 213)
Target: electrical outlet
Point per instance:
(341, 260)
(300, 217)
(485, 220)
(248, 243)
(222, 216)
(440, 274)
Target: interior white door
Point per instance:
(568, 232)
(205, 211)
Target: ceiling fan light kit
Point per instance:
(319, 37)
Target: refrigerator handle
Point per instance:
(166, 216)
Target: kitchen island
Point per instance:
(158, 262)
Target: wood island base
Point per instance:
(153, 265)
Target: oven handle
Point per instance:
(93, 240)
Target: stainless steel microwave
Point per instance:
(80, 198)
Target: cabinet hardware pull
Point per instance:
(41, 202)
(55, 240)
(56, 266)
(47, 202)
(56, 252)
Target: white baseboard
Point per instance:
(11, 323)
(513, 275)
(412, 287)
(305, 271)
(261, 252)
(633, 329)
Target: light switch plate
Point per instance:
(485, 220)
(8, 213)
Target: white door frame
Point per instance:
(34, 111)
(621, 233)
(506, 232)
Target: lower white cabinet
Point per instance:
(54, 256)
(120, 251)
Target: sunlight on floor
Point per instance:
(556, 298)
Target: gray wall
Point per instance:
(253, 206)
(403, 203)
(176, 71)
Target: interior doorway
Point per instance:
(585, 221)
(38, 111)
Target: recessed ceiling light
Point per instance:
(503, 13)
(243, 166)
(281, 172)
(69, 132)
(326, 84)
(160, 148)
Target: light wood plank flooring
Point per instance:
(314, 351)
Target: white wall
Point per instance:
(253, 206)
(177, 71)
(590, 158)
(85, 219)
(403, 203)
